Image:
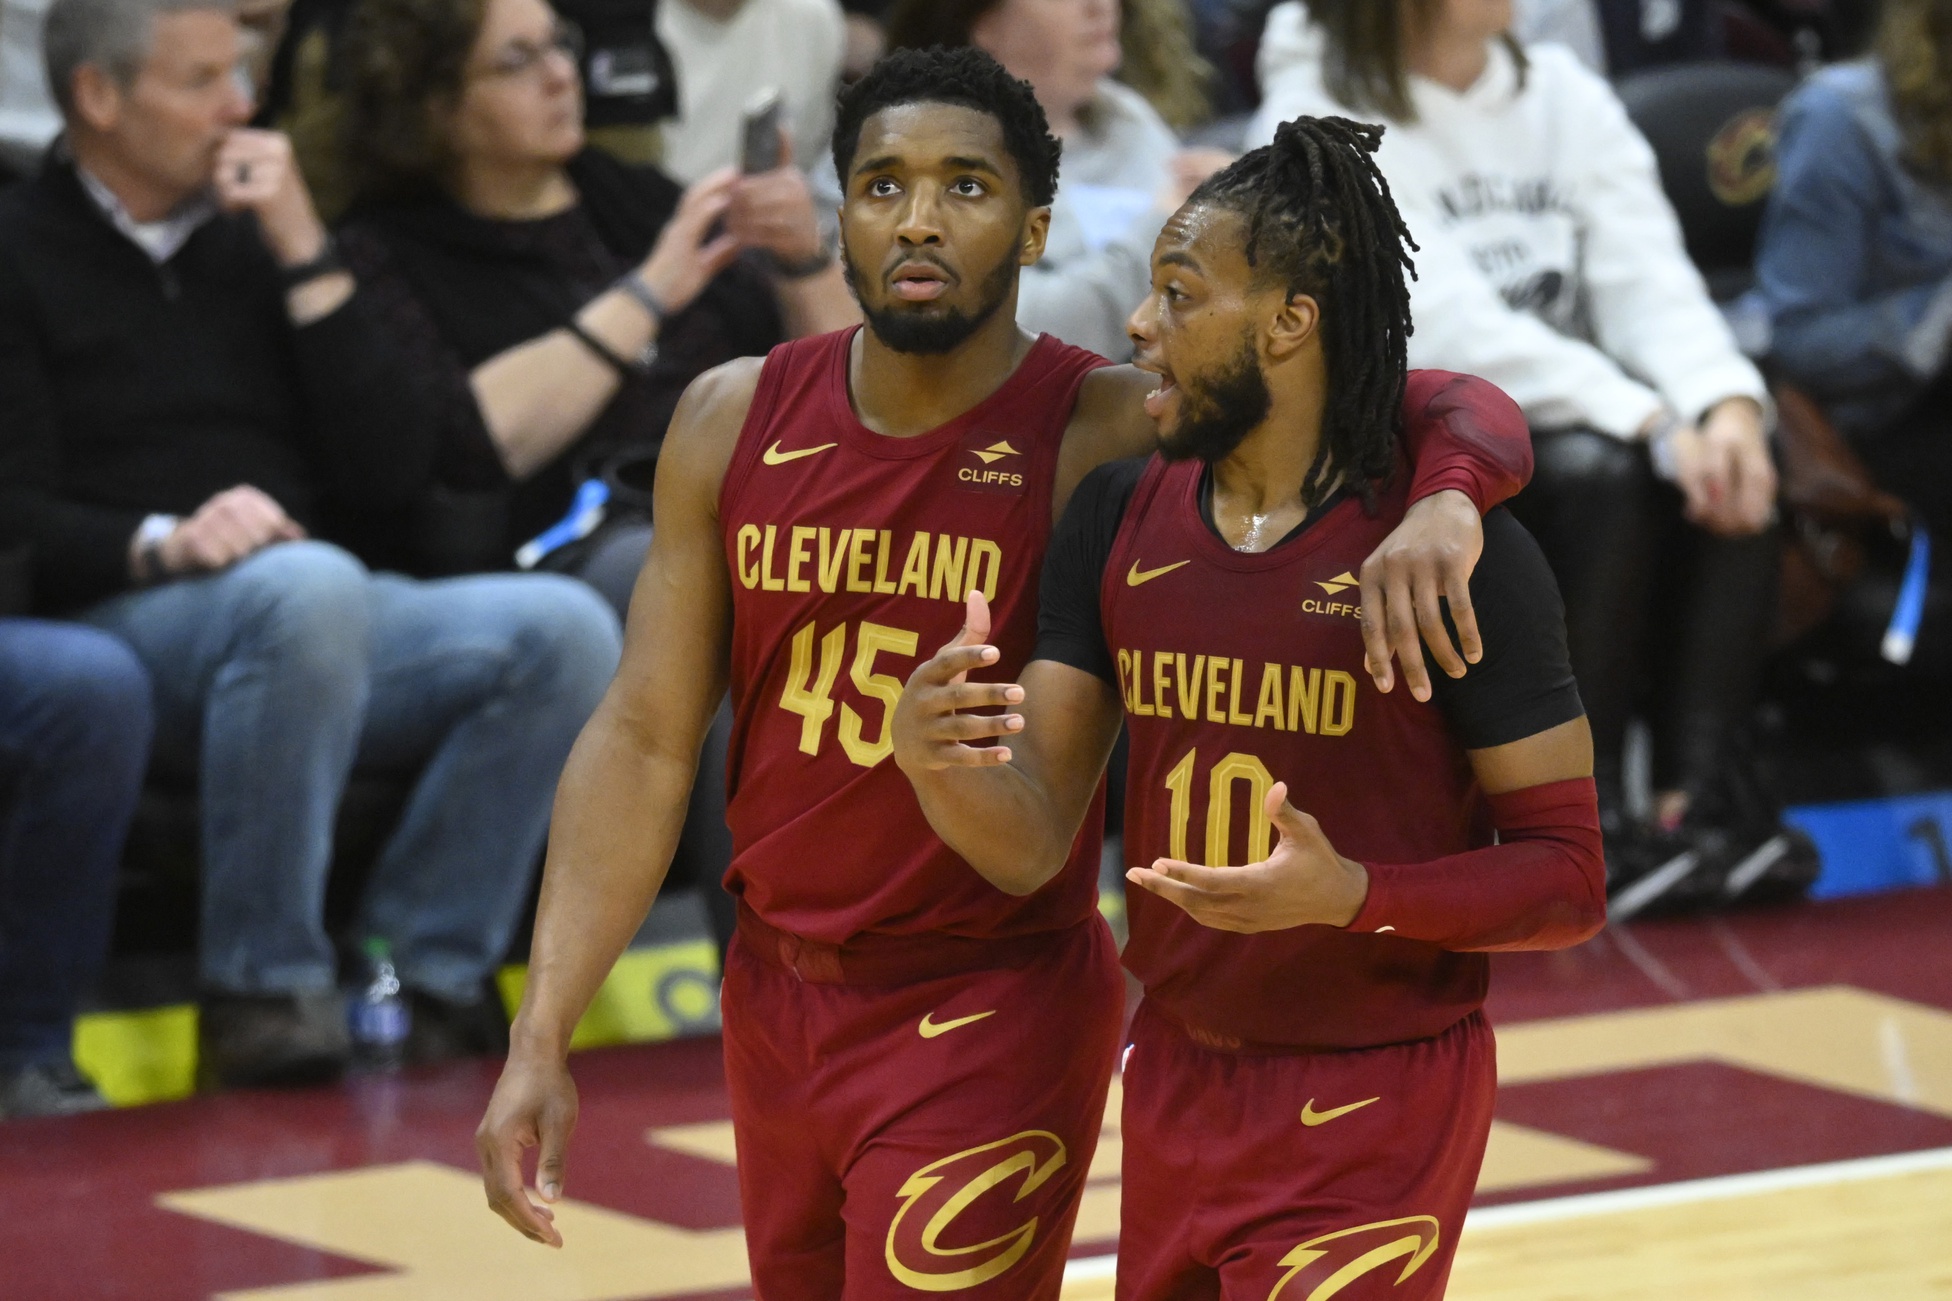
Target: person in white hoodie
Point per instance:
(1551, 264)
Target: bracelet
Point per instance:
(604, 352)
(631, 284)
(819, 261)
(323, 263)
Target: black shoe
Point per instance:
(276, 1040)
(1651, 873)
(443, 1030)
(1706, 865)
(48, 1089)
(1781, 868)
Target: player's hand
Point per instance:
(534, 1106)
(1304, 881)
(1431, 554)
(930, 733)
(230, 526)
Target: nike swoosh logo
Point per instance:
(773, 456)
(1311, 1117)
(1138, 576)
(930, 1029)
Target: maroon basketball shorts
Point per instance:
(1303, 1176)
(929, 1135)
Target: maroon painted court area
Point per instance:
(81, 1220)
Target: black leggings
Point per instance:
(1663, 619)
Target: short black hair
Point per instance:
(1321, 221)
(962, 75)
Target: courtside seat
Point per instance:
(1712, 127)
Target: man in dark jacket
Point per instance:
(191, 388)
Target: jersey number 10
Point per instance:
(1236, 767)
(809, 692)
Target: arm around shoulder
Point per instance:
(1518, 714)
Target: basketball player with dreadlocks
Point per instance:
(917, 1061)
(1309, 1082)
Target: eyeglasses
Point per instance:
(518, 57)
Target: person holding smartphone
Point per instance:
(552, 302)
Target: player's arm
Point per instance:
(622, 799)
(1012, 810)
(1543, 886)
(1469, 449)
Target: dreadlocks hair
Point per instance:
(1320, 220)
(962, 75)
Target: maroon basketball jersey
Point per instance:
(1239, 670)
(850, 553)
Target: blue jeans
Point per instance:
(74, 739)
(276, 676)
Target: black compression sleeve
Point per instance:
(1524, 683)
(1070, 624)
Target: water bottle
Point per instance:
(378, 1017)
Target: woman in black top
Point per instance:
(553, 301)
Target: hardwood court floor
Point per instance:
(1755, 1106)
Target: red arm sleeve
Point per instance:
(1463, 432)
(1542, 887)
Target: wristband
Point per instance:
(624, 367)
(812, 265)
(323, 263)
(631, 284)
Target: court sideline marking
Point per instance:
(1095, 1269)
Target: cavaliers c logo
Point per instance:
(1327, 1264)
(933, 1197)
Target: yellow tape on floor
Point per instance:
(651, 994)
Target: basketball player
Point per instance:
(917, 1061)
(1309, 1084)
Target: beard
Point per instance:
(919, 331)
(1217, 414)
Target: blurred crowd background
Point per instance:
(338, 339)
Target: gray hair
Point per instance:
(114, 35)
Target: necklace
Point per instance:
(1256, 524)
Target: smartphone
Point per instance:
(759, 132)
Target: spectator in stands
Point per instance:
(551, 302)
(728, 51)
(1552, 265)
(74, 741)
(554, 302)
(1124, 172)
(1158, 58)
(191, 387)
(1855, 261)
